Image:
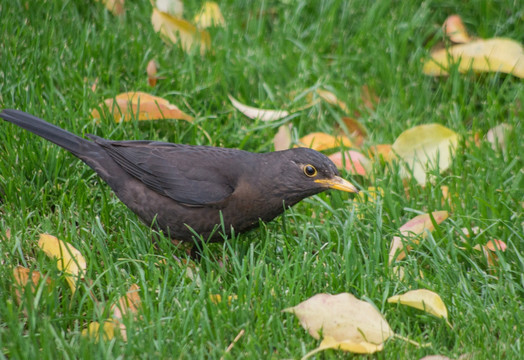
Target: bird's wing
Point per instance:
(187, 174)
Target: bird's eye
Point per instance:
(310, 170)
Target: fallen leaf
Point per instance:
(344, 321)
(127, 304)
(256, 113)
(282, 139)
(332, 99)
(490, 250)
(494, 245)
(115, 6)
(353, 161)
(424, 147)
(21, 275)
(143, 106)
(381, 152)
(172, 7)
(455, 29)
(68, 259)
(368, 97)
(490, 55)
(322, 141)
(414, 228)
(422, 299)
(210, 15)
(177, 30)
(498, 136)
(355, 129)
(151, 73)
(94, 331)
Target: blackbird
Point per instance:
(185, 189)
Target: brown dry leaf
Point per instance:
(115, 6)
(321, 141)
(141, 105)
(256, 113)
(177, 30)
(68, 259)
(368, 97)
(414, 228)
(21, 275)
(282, 139)
(455, 29)
(353, 161)
(93, 331)
(356, 130)
(422, 147)
(498, 136)
(151, 73)
(210, 15)
(345, 322)
(381, 152)
(490, 55)
(422, 299)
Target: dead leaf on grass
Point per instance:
(256, 113)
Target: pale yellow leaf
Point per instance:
(210, 15)
(413, 230)
(172, 7)
(69, 260)
(94, 331)
(322, 141)
(178, 30)
(332, 99)
(359, 348)
(282, 139)
(343, 318)
(256, 113)
(217, 298)
(353, 161)
(498, 135)
(424, 147)
(490, 55)
(422, 299)
(143, 106)
(455, 29)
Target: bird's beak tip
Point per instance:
(338, 183)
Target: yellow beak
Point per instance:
(338, 183)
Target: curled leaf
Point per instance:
(68, 259)
(178, 30)
(455, 29)
(151, 73)
(256, 113)
(143, 106)
(422, 299)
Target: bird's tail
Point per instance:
(59, 136)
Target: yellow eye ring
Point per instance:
(310, 170)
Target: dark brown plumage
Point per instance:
(183, 187)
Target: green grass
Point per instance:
(51, 52)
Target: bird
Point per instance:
(187, 190)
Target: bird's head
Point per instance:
(304, 172)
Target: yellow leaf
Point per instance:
(493, 55)
(210, 15)
(344, 321)
(179, 30)
(422, 299)
(424, 147)
(353, 161)
(282, 139)
(322, 141)
(332, 99)
(69, 260)
(359, 348)
(217, 298)
(418, 226)
(173, 7)
(93, 331)
(381, 151)
(21, 275)
(141, 105)
(256, 113)
(455, 29)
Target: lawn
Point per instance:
(60, 59)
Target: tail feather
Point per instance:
(59, 136)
